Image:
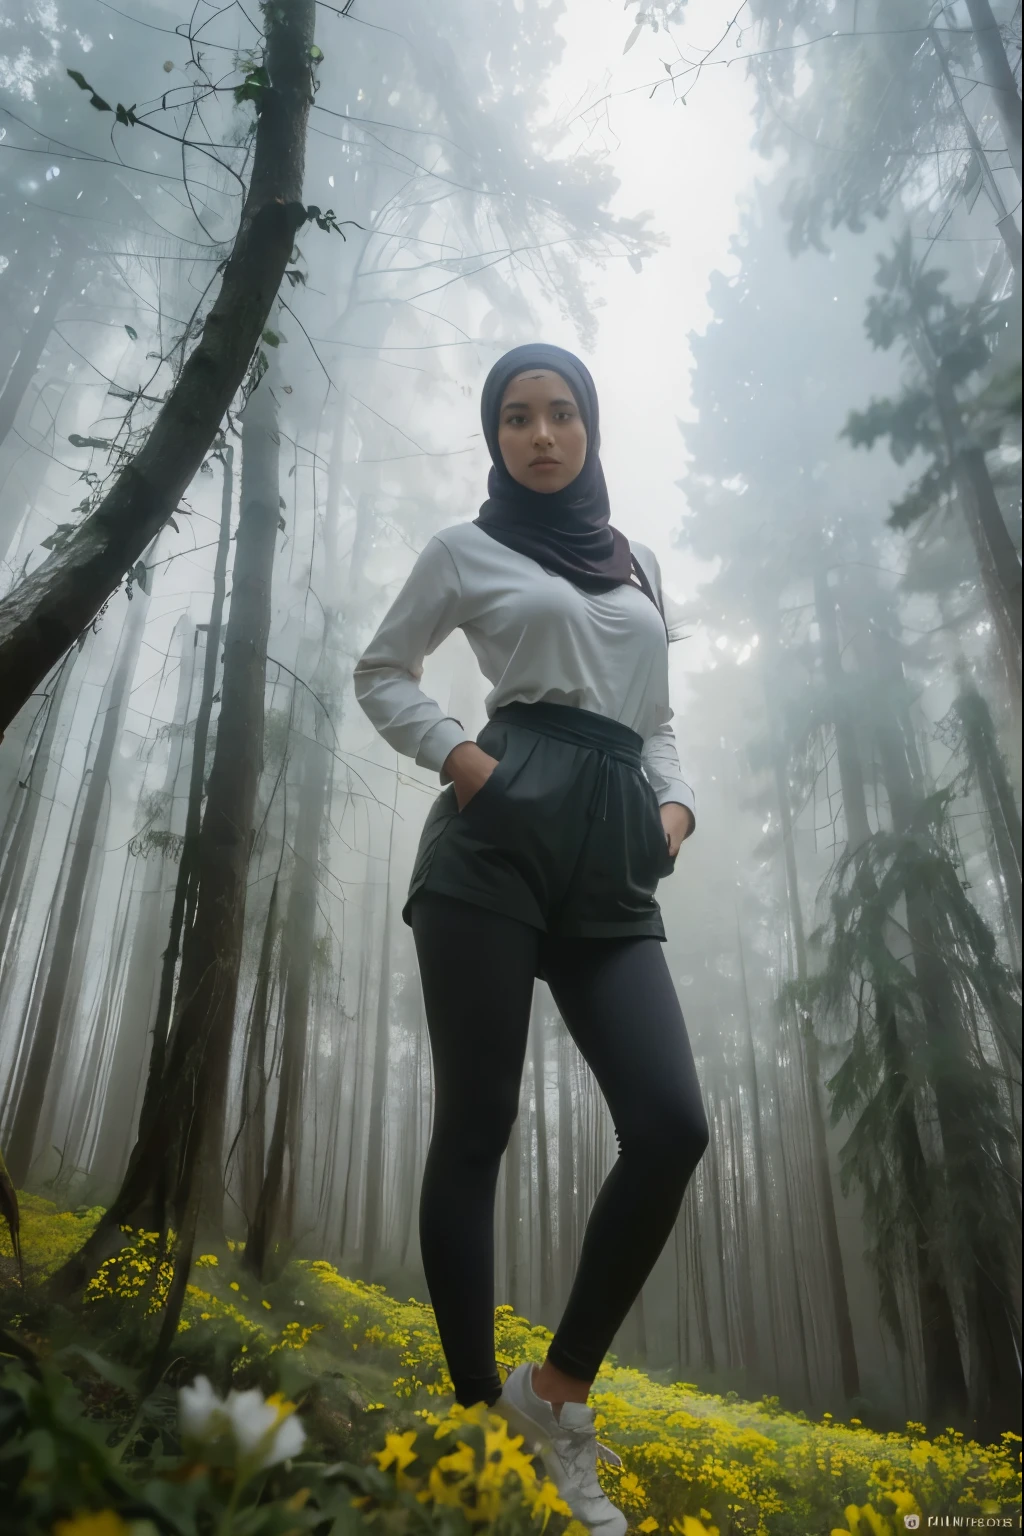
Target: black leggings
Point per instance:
(617, 1000)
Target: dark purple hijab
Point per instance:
(569, 531)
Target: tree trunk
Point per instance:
(788, 1226)
(71, 931)
(711, 1162)
(1005, 222)
(47, 611)
(24, 811)
(27, 360)
(117, 1122)
(544, 1201)
(760, 1172)
(513, 1220)
(998, 561)
(741, 1212)
(374, 1192)
(252, 1130)
(177, 1159)
(994, 785)
(999, 78)
(566, 1170)
(993, 1378)
(184, 886)
(855, 811)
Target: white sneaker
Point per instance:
(568, 1447)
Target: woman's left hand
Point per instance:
(678, 823)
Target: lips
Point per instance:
(536, 462)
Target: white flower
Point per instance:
(198, 1405)
(262, 1430)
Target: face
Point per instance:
(540, 421)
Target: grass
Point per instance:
(369, 1378)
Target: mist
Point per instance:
(785, 239)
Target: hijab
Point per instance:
(569, 531)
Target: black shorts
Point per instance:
(566, 834)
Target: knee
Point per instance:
(676, 1133)
(477, 1129)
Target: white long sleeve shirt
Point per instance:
(536, 636)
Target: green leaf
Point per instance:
(77, 441)
(140, 576)
(132, 332)
(253, 86)
(271, 338)
(315, 52)
(83, 85)
(126, 115)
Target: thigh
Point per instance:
(619, 1004)
(477, 972)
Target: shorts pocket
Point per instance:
(513, 750)
(664, 862)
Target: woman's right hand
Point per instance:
(469, 768)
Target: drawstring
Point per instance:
(603, 774)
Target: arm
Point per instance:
(661, 765)
(660, 756)
(386, 676)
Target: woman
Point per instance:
(541, 857)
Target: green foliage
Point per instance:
(915, 1042)
(254, 87)
(937, 334)
(368, 1382)
(125, 115)
(240, 1466)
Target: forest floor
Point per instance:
(385, 1448)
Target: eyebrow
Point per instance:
(521, 405)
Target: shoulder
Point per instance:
(464, 542)
(647, 558)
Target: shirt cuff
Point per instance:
(438, 742)
(678, 793)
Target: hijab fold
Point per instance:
(569, 531)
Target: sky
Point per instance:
(641, 363)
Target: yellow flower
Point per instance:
(398, 1450)
(650, 1524)
(105, 1522)
(548, 1501)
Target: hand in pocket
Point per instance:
(469, 768)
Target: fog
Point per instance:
(784, 238)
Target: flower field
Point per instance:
(362, 1431)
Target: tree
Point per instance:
(46, 612)
(949, 343)
(175, 1171)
